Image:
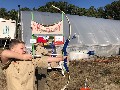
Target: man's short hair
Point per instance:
(15, 42)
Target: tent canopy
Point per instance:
(88, 31)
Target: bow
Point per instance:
(64, 51)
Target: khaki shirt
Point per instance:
(41, 50)
(20, 75)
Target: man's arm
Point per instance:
(6, 54)
(55, 59)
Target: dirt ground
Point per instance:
(101, 73)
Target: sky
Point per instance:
(13, 4)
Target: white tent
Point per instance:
(98, 34)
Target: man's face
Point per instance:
(41, 44)
(19, 48)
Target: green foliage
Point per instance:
(92, 12)
(13, 14)
(3, 13)
(51, 37)
(113, 10)
(25, 9)
(110, 11)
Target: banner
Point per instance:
(56, 28)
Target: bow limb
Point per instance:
(65, 54)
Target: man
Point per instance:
(19, 67)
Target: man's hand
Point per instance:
(65, 57)
(27, 57)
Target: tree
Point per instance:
(13, 14)
(3, 13)
(25, 9)
(113, 10)
(42, 9)
(82, 11)
(71, 9)
(92, 12)
(101, 12)
(34, 9)
(110, 11)
(48, 7)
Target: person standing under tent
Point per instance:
(40, 48)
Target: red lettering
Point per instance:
(38, 27)
(34, 26)
(48, 29)
(59, 26)
(56, 28)
(52, 29)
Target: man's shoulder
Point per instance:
(5, 52)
